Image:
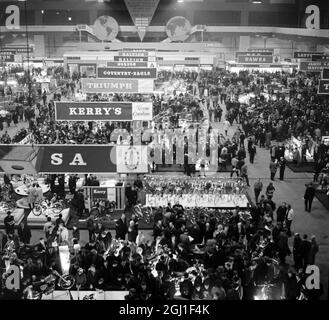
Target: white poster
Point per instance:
(142, 111)
(132, 159)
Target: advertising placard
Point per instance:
(103, 111)
(127, 73)
(323, 87)
(313, 66)
(132, 159)
(99, 85)
(305, 54)
(255, 59)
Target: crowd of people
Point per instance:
(226, 254)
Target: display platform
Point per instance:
(39, 221)
(18, 215)
(86, 295)
(205, 201)
(22, 190)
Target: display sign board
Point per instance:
(255, 59)
(7, 57)
(313, 66)
(323, 87)
(98, 85)
(103, 111)
(320, 57)
(305, 55)
(99, 193)
(325, 74)
(18, 49)
(76, 159)
(132, 159)
(261, 50)
(127, 73)
(130, 64)
(253, 53)
(137, 58)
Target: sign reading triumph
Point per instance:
(103, 111)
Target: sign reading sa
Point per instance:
(12, 14)
(313, 20)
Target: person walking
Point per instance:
(289, 219)
(281, 213)
(282, 166)
(270, 191)
(252, 152)
(309, 196)
(314, 250)
(121, 228)
(258, 187)
(273, 168)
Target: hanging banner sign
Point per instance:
(325, 74)
(97, 85)
(142, 12)
(7, 57)
(133, 53)
(320, 57)
(103, 111)
(118, 64)
(305, 55)
(253, 53)
(313, 66)
(131, 59)
(261, 50)
(18, 49)
(323, 87)
(127, 73)
(76, 159)
(255, 59)
(132, 159)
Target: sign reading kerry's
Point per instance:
(323, 87)
(127, 73)
(103, 111)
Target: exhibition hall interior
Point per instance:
(162, 150)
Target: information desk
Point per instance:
(96, 295)
(204, 201)
(39, 221)
(18, 215)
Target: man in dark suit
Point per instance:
(309, 196)
(281, 213)
(121, 228)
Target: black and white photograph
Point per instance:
(164, 152)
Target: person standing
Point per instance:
(270, 191)
(281, 213)
(314, 250)
(297, 251)
(24, 232)
(244, 173)
(309, 196)
(273, 168)
(234, 163)
(282, 166)
(258, 187)
(289, 219)
(252, 152)
(305, 249)
(9, 223)
(121, 228)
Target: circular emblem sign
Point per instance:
(106, 28)
(178, 28)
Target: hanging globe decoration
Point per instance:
(106, 28)
(178, 28)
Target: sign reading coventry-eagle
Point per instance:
(103, 111)
(130, 73)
